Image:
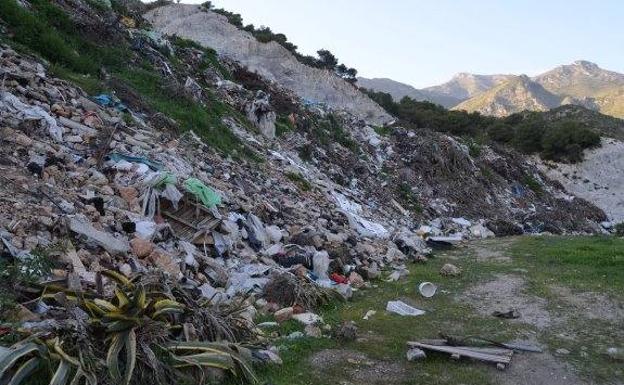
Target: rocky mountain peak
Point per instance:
(586, 65)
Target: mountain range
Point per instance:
(581, 83)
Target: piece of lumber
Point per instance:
(464, 351)
(480, 349)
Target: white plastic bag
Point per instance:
(401, 308)
(320, 262)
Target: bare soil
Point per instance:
(357, 368)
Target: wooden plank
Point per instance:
(495, 351)
(464, 351)
(486, 350)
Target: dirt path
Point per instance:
(562, 313)
(506, 292)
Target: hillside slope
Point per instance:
(610, 101)
(580, 79)
(596, 179)
(515, 95)
(399, 90)
(465, 85)
(270, 60)
(396, 89)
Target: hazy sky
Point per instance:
(424, 43)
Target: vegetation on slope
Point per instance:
(554, 138)
(326, 60)
(80, 56)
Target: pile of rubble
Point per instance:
(132, 198)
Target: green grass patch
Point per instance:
(587, 263)
(283, 125)
(89, 83)
(210, 58)
(299, 180)
(330, 129)
(205, 121)
(383, 130)
(533, 184)
(49, 32)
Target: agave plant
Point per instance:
(26, 357)
(144, 316)
(225, 356)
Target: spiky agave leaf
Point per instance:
(61, 374)
(131, 355)
(17, 352)
(125, 340)
(122, 298)
(24, 371)
(119, 278)
(214, 355)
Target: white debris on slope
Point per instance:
(598, 179)
(269, 60)
(362, 225)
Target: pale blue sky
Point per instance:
(424, 43)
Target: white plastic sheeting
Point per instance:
(10, 104)
(360, 224)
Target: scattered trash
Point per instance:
(510, 314)
(308, 318)
(427, 289)
(369, 314)
(616, 354)
(401, 308)
(10, 104)
(415, 354)
(118, 157)
(107, 241)
(106, 100)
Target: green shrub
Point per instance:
(528, 132)
(474, 149)
(567, 140)
(501, 132)
(619, 229)
(49, 32)
(533, 184)
(300, 181)
(283, 125)
(408, 197)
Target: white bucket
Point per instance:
(427, 289)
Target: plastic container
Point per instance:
(427, 289)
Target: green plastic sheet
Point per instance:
(204, 193)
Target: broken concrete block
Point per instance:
(105, 240)
(415, 354)
(308, 318)
(141, 247)
(284, 314)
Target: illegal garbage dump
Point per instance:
(174, 212)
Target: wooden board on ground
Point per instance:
(496, 355)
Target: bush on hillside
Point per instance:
(566, 141)
(528, 132)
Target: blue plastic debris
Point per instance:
(106, 100)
